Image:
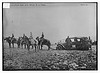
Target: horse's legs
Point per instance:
(13, 45)
(22, 45)
(32, 46)
(9, 45)
(38, 46)
(28, 47)
(25, 46)
(35, 46)
(18, 45)
(48, 47)
(41, 47)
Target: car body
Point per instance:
(75, 43)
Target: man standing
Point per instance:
(68, 41)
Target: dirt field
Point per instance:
(18, 58)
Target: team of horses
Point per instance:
(26, 42)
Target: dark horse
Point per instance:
(19, 42)
(24, 41)
(42, 41)
(10, 41)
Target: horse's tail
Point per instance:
(50, 43)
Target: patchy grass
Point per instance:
(17, 58)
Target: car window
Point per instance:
(72, 40)
(78, 40)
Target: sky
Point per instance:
(55, 20)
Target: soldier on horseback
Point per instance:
(42, 41)
(32, 41)
(12, 35)
(24, 36)
(24, 40)
(31, 37)
(42, 36)
(13, 40)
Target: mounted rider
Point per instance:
(42, 36)
(31, 37)
(11, 38)
(25, 37)
(25, 41)
(42, 41)
(12, 35)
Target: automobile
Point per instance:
(75, 43)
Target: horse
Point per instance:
(33, 43)
(43, 41)
(10, 41)
(19, 42)
(25, 41)
(13, 41)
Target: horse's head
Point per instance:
(37, 38)
(8, 39)
(5, 38)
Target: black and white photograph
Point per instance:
(49, 36)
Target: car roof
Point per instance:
(78, 37)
